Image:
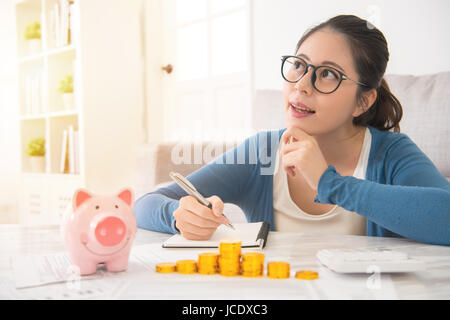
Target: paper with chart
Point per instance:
(37, 270)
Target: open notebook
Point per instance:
(251, 234)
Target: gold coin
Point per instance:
(187, 266)
(230, 248)
(208, 263)
(306, 275)
(233, 261)
(254, 270)
(229, 267)
(230, 257)
(278, 270)
(203, 270)
(229, 272)
(208, 258)
(230, 242)
(166, 267)
(253, 256)
(252, 274)
(251, 266)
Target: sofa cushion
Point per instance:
(426, 114)
(155, 161)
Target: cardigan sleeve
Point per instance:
(226, 176)
(415, 204)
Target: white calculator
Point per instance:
(368, 260)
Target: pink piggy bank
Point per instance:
(99, 229)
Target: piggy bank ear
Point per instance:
(80, 196)
(127, 196)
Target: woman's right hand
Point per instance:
(196, 221)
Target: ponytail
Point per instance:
(385, 113)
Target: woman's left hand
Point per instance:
(301, 152)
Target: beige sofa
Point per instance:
(426, 120)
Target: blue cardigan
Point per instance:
(403, 195)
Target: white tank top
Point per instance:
(289, 217)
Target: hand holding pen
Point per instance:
(197, 218)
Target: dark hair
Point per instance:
(370, 54)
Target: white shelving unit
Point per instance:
(105, 57)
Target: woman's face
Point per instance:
(332, 111)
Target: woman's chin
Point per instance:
(296, 124)
(292, 122)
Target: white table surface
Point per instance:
(297, 249)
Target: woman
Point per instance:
(337, 167)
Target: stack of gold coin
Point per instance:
(208, 263)
(229, 257)
(306, 275)
(252, 264)
(278, 270)
(187, 266)
(166, 267)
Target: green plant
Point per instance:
(33, 31)
(66, 84)
(36, 147)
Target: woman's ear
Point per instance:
(367, 100)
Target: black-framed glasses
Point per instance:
(325, 79)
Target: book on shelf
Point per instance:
(33, 94)
(61, 24)
(70, 151)
(76, 139)
(64, 165)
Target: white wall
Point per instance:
(416, 32)
(9, 138)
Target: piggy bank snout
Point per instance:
(110, 231)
